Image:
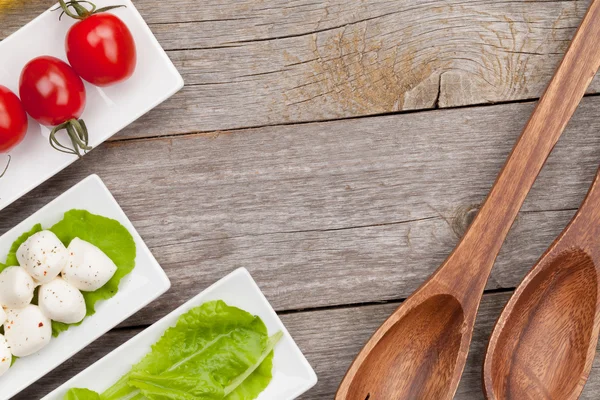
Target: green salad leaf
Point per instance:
(215, 351)
(82, 394)
(252, 382)
(107, 234)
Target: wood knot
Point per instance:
(463, 217)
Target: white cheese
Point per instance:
(16, 288)
(5, 356)
(27, 330)
(43, 256)
(88, 268)
(61, 301)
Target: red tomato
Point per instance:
(100, 48)
(51, 91)
(54, 95)
(13, 120)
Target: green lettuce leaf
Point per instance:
(248, 385)
(215, 351)
(109, 236)
(81, 394)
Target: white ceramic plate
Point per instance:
(107, 111)
(145, 283)
(292, 374)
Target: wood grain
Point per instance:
(256, 63)
(331, 213)
(330, 339)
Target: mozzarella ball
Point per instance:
(27, 330)
(16, 288)
(5, 356)
(61, 301)
(88, 268)
(2, 316)
(43, 256)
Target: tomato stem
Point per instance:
(77, 132)
(6, 168)
(81, 12)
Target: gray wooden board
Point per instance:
(256, 63)
(330, 339)
(331, 213)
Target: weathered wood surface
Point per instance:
(255, 63)
(344, 212)
(331, 213)
(329, 339)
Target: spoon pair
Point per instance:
(420, 350)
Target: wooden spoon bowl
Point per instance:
(545, 340)
(435, 324)
(420, 350)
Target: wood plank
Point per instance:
(349, 266)
(14, 14)
(256, 63)
(331, 213)
(330, 339)
(373, 67)
(445, 54)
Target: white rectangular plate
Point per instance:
(145, 283)
(292, 374)
(108, 110)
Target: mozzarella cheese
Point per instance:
(5, 356)
(61, 301)
(16, 288)
(88, 268)
(43, 256)
(27, 330)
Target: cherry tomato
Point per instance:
(100, 48)
(54, 95)
(13, 120)
(51, 91)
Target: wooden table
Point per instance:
(337, 149)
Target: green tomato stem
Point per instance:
(77, 132)
(81, 12)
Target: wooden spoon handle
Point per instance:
(482, 242)
(583, 231)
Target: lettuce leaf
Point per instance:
(215, 351)
(82, 394)
(107, 234)
(250, 383)
(202, 383)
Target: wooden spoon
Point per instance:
(544, 343)
(420, 350)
